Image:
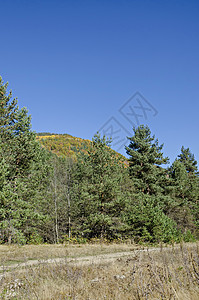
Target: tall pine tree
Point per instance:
(145, 161)
(146, 213)
(24, 174)
(98, 200)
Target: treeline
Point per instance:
(46, 198)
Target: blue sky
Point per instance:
(74, 64)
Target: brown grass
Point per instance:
(15, 253)
(171, 273)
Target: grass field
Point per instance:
(167, 273)
(13, 253)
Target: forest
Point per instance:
(51, 192)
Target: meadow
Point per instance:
(164, 272)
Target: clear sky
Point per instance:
(75, 64)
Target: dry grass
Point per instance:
(15, 253)
(165, 274)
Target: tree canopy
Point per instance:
(95, 193)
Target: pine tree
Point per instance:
(147, 222)
(25, 171)
(188, 159)
(190, 187)
(179, 192)
(146, 213)
(145, 160)
(98, 202)
(8, 110)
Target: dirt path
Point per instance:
(79, 261)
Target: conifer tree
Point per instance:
(179, 192)
(97, 179)
(149, 203)
(188, 159)
(25, 171)
(145, 161)
(189, 187)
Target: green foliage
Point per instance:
(97, 182)
(35, 239)
(58, 206)
(145, 213)
(147, 221)
(74, 239)
(188, 159)
(185, 191)
(23, 174)
(188, 236)
(145, 159)
(57, 188)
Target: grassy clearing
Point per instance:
(13, 253)
(171, 273)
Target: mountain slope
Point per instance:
(66, 145)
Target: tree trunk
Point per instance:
(55, 204)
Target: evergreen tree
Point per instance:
(179, 192)
(188, 159)
(145, 160)
(25, 171)
(8, 110)
(149, 204)
(97, 182)
(186, 182)
(147, 222)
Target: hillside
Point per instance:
(66, 145)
